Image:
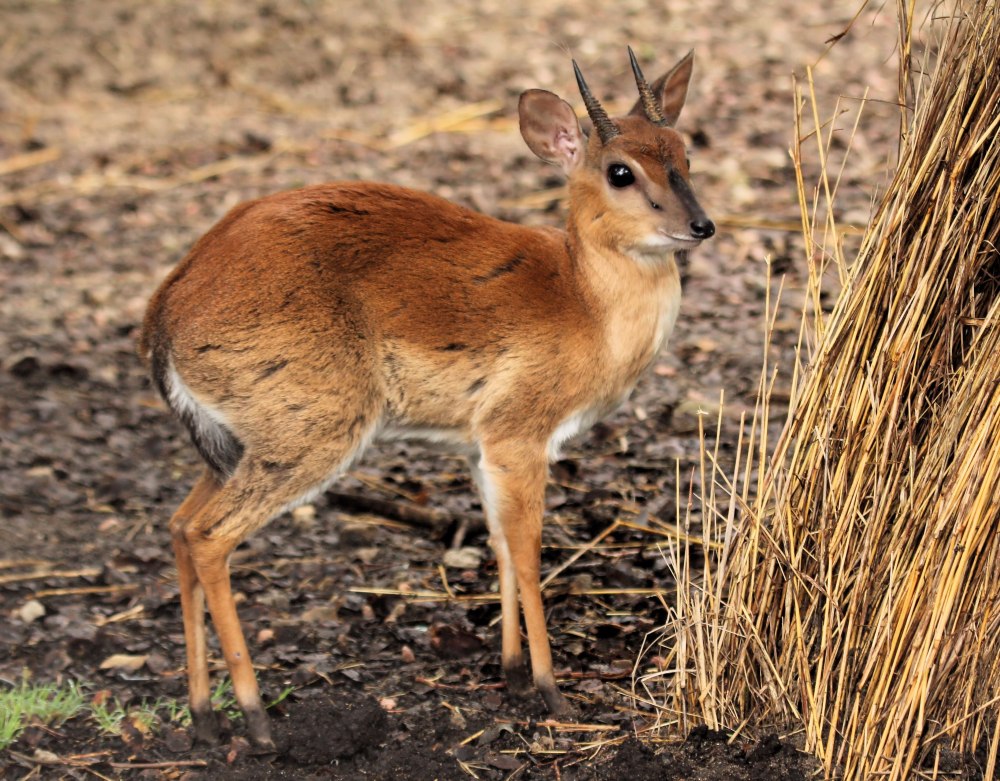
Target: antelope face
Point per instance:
(629, 182)
(644, 177)
(645, 166)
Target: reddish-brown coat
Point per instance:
(307, 323)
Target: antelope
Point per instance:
(306, 324)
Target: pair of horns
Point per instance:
(606, 129)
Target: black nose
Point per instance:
(703, 228)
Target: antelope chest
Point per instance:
(639, 327)
(634, 333)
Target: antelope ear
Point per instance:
(550, 128)
(671, 89)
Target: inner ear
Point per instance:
(550, 129)
(671, 89)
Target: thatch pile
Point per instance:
(858, 596)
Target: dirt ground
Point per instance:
(127, 129)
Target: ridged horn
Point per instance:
(650, 105)
(602, 122)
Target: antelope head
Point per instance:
(630, 187)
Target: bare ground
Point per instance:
(127, 129)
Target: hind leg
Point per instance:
(259, 489)
(296, 416)
(193, 609)
(209, 555)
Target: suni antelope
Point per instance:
(309, 323)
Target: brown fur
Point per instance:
(305, 323)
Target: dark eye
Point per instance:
(620, 175)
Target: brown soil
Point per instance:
(145, 123)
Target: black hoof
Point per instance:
(259, 732)
(557, 704)
(518, 681)
(205, 726)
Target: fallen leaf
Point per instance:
(490, 734)
(503, 761)
(450, 642)
(319, 614)
(130, 662)
(148, 553)
(158, 663)
(100, 697)
(463, 558)
(456, 718)
(367, 554)
(140, 724)
(132, 732)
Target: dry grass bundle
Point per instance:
(859, 594)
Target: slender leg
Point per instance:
(246, 501)
(193, 609)
(205, 536)
(511, 656)
(211, 561)
(517, 480)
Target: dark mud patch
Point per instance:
(343, 736)
(330, 731)
(349, 736)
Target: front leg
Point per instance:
(513, 477)
(512, 659)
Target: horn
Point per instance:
(602, 122)
(650, 105)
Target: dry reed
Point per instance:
(857, 595)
